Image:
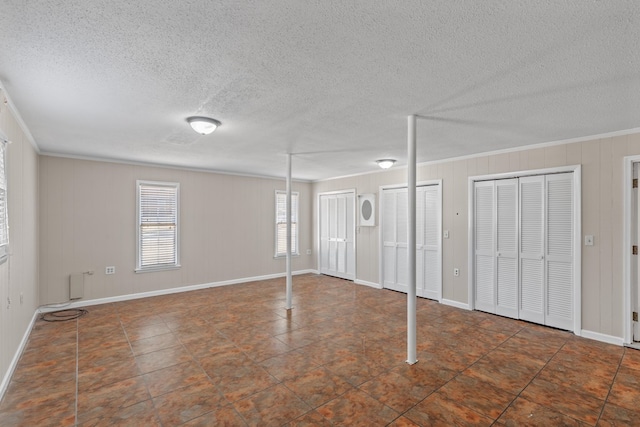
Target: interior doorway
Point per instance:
(631, 242)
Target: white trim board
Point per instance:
(16, 357)
(503, 151)
(87, 303)
(455, 304)
(597, 336)
(166, 166)
(365, 283)
(18, 118)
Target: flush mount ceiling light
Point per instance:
(203, 125)
(385, 163)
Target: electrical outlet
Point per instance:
(110, 270)
(456, 272)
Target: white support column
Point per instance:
(289, 279)
(411, 242)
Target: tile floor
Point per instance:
(233, 356)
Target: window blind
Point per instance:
(281, 223)
(158, 225)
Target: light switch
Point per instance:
(588, 240)
(446, 234)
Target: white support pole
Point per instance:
(411, 242)
(289, 280)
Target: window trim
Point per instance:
(297, 222)
(176, 265)
(4, 247)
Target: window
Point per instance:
(4, 220)
(281, 223)
(157, 225)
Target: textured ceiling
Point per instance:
(329, 81)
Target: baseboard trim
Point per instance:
(365, 283)
(16, 357)
(609, 339)
(456, 304)
(127, 297)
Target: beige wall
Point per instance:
(88, 222)
(602, 216)
(19, 275)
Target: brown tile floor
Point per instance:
(233, 356)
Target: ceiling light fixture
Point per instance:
(385, 163)
(203, 125)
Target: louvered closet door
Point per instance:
(402, 250)
(341, 234)
(337, 235)
(324, 234)
(350, 272)
(346, 236)
(507, 281)
(420, 241)
(428, 222)
(428, 242)
(559, 254)
(395, 239)
(532, 220)
(333, 231)
(484, 250)
(389, 202)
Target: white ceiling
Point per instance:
(330, 81)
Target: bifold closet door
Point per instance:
(337, 235)
(428, 258)
(532, 221)
(484, 242)
(324, 234)
(523, 232)
(394, 239)
(559, 253)
(507, 286)
(496, 247)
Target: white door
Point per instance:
(394, 239)
(523, 232)
(337, 235)
(507, 281)
(532, 221)
(484, 250)
(428, 240)
(496, 247)
(559, 251)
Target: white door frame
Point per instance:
(355, 228)
(380, 237)
(627, 263)
(577, 232)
